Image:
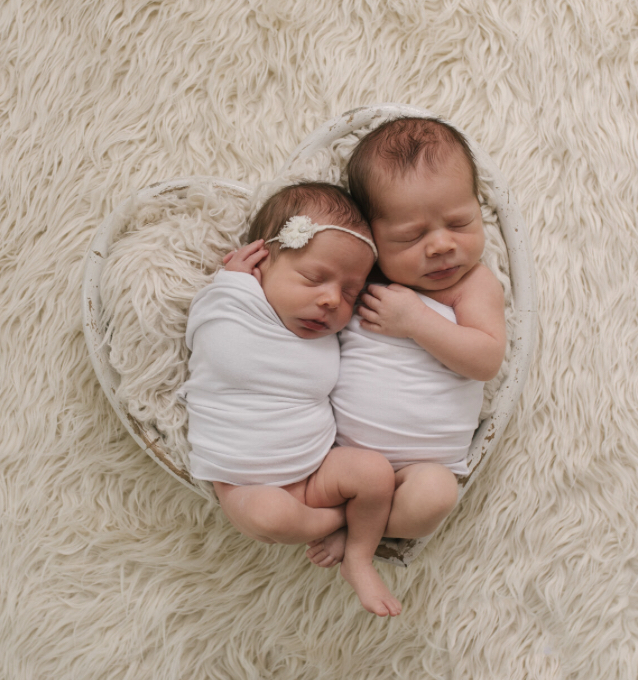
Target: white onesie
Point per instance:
(394, 397)
(258, 395)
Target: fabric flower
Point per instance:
(297, 231)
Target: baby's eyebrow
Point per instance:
(461, 214)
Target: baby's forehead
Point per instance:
(340, 252)
(448, 155)
(335, 241)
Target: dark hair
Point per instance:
(326, 199)
(400, 145)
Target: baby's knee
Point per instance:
(444, 492)
(261, 513)
(272, 524)
(376, 476)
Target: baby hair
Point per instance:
(398, 146)
(328, 200)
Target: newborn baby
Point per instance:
(265, 358)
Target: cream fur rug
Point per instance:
(109, 568)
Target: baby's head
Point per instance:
(313, 285)
(416, 182)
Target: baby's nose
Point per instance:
(439, 243)
(331, 296)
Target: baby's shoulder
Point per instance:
(480, 287)
(478, 283)
(481, 279)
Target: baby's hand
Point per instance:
(246, 259)
(390, 310)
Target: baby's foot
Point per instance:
(328, 551)
(372, 592)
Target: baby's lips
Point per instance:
(443, 273)
(315, 324)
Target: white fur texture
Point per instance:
(110, 568)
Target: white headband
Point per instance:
(299, 229)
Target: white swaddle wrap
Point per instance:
(394, 397)
(258, 395)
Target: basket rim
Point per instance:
(146, 436)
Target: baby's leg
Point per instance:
(329, 550)
(365, 480)
(425, 495)
(274, 514)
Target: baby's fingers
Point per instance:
(250, 248)
(370, 326)
(367, 314)
(256, 257)
(246, 258)
(376, 291)
(370, 301)
(245, 251)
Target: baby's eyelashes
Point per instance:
(312, 278)
(408, 239)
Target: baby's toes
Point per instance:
(315, 550)
(393, 606)
(316, 555)
(326, 562)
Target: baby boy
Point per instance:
(414, 359)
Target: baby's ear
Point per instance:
(264, 264)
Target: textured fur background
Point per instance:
(111, 569)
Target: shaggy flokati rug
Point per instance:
(109, 567)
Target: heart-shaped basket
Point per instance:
(152, 253)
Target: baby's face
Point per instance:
(428, 229)
(313, 289)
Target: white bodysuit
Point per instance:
(258, 395)
(394, 397)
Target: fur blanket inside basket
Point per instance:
(168, 245)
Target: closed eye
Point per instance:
(409, 239)
(350, 294)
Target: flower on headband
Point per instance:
(297, 231)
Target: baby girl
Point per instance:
(265, 357)
(414, 359)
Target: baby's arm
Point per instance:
(246, 259)
(473, 347)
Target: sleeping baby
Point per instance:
(265, 358)
(415, 358)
